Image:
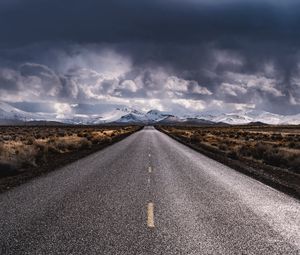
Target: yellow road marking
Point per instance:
(149, 169)
(150, 212)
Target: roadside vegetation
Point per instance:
(42, 148)
(272, 152)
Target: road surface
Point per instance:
(148, 194)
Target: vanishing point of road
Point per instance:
(147, 194)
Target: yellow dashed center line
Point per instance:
(150, 215)
(150, 207)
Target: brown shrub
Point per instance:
(232, 155)
(29, 140)
(223, 147)
(295, 164)
(85, 144)
(195, 138)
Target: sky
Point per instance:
(171, 55)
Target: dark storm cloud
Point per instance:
(243, 52)
(157, 21)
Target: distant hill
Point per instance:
(10, 115)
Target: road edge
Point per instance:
(240, 167)
(10, 182)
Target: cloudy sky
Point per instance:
(171, 55)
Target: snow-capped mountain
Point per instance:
(171, 119)
(8, 112)
(11, 115)
(156, 116)
(130, 115)
(121, 115)
(251, 116)
(232, 118)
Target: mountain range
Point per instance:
(10, 115)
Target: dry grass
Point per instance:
(25, 147)
(273, 146)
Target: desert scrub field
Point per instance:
(275, 146)
(23, 148)
(272, 151)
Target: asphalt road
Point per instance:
(148, 194)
